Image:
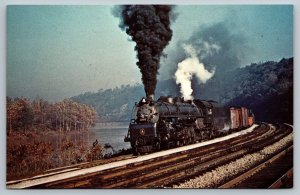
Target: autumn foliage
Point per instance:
(31, 124)
(38, 115)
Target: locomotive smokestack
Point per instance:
(151, 96)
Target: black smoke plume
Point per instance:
(149, 27)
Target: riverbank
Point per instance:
(111, 125)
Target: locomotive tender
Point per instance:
(171, 122)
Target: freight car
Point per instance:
(171, 122)
(241, 117)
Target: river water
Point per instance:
(111, 133)
(114, 135)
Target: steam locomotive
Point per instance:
(172, 122)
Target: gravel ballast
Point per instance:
(214, 178)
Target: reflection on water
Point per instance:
(110, 132)
(114, 135)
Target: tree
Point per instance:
(19, 114)
(63, 116)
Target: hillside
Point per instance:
(113, 104)
(266, 88)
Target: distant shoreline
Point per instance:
(111, 125)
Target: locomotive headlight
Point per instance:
(142, 131)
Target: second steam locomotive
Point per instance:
(171, 122)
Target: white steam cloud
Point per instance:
(189, 67)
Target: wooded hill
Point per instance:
(266, 88)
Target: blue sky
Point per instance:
(55, 52)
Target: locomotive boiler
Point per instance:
(171, 122)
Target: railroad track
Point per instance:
(89, 164)
(275, 167)
(251, 147)
(276, 171)
(172, 168)
(206, 160)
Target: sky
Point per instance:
(55, 52)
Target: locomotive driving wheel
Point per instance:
(178, 143)
(135, 151)
(157, 146)
(190, 135)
